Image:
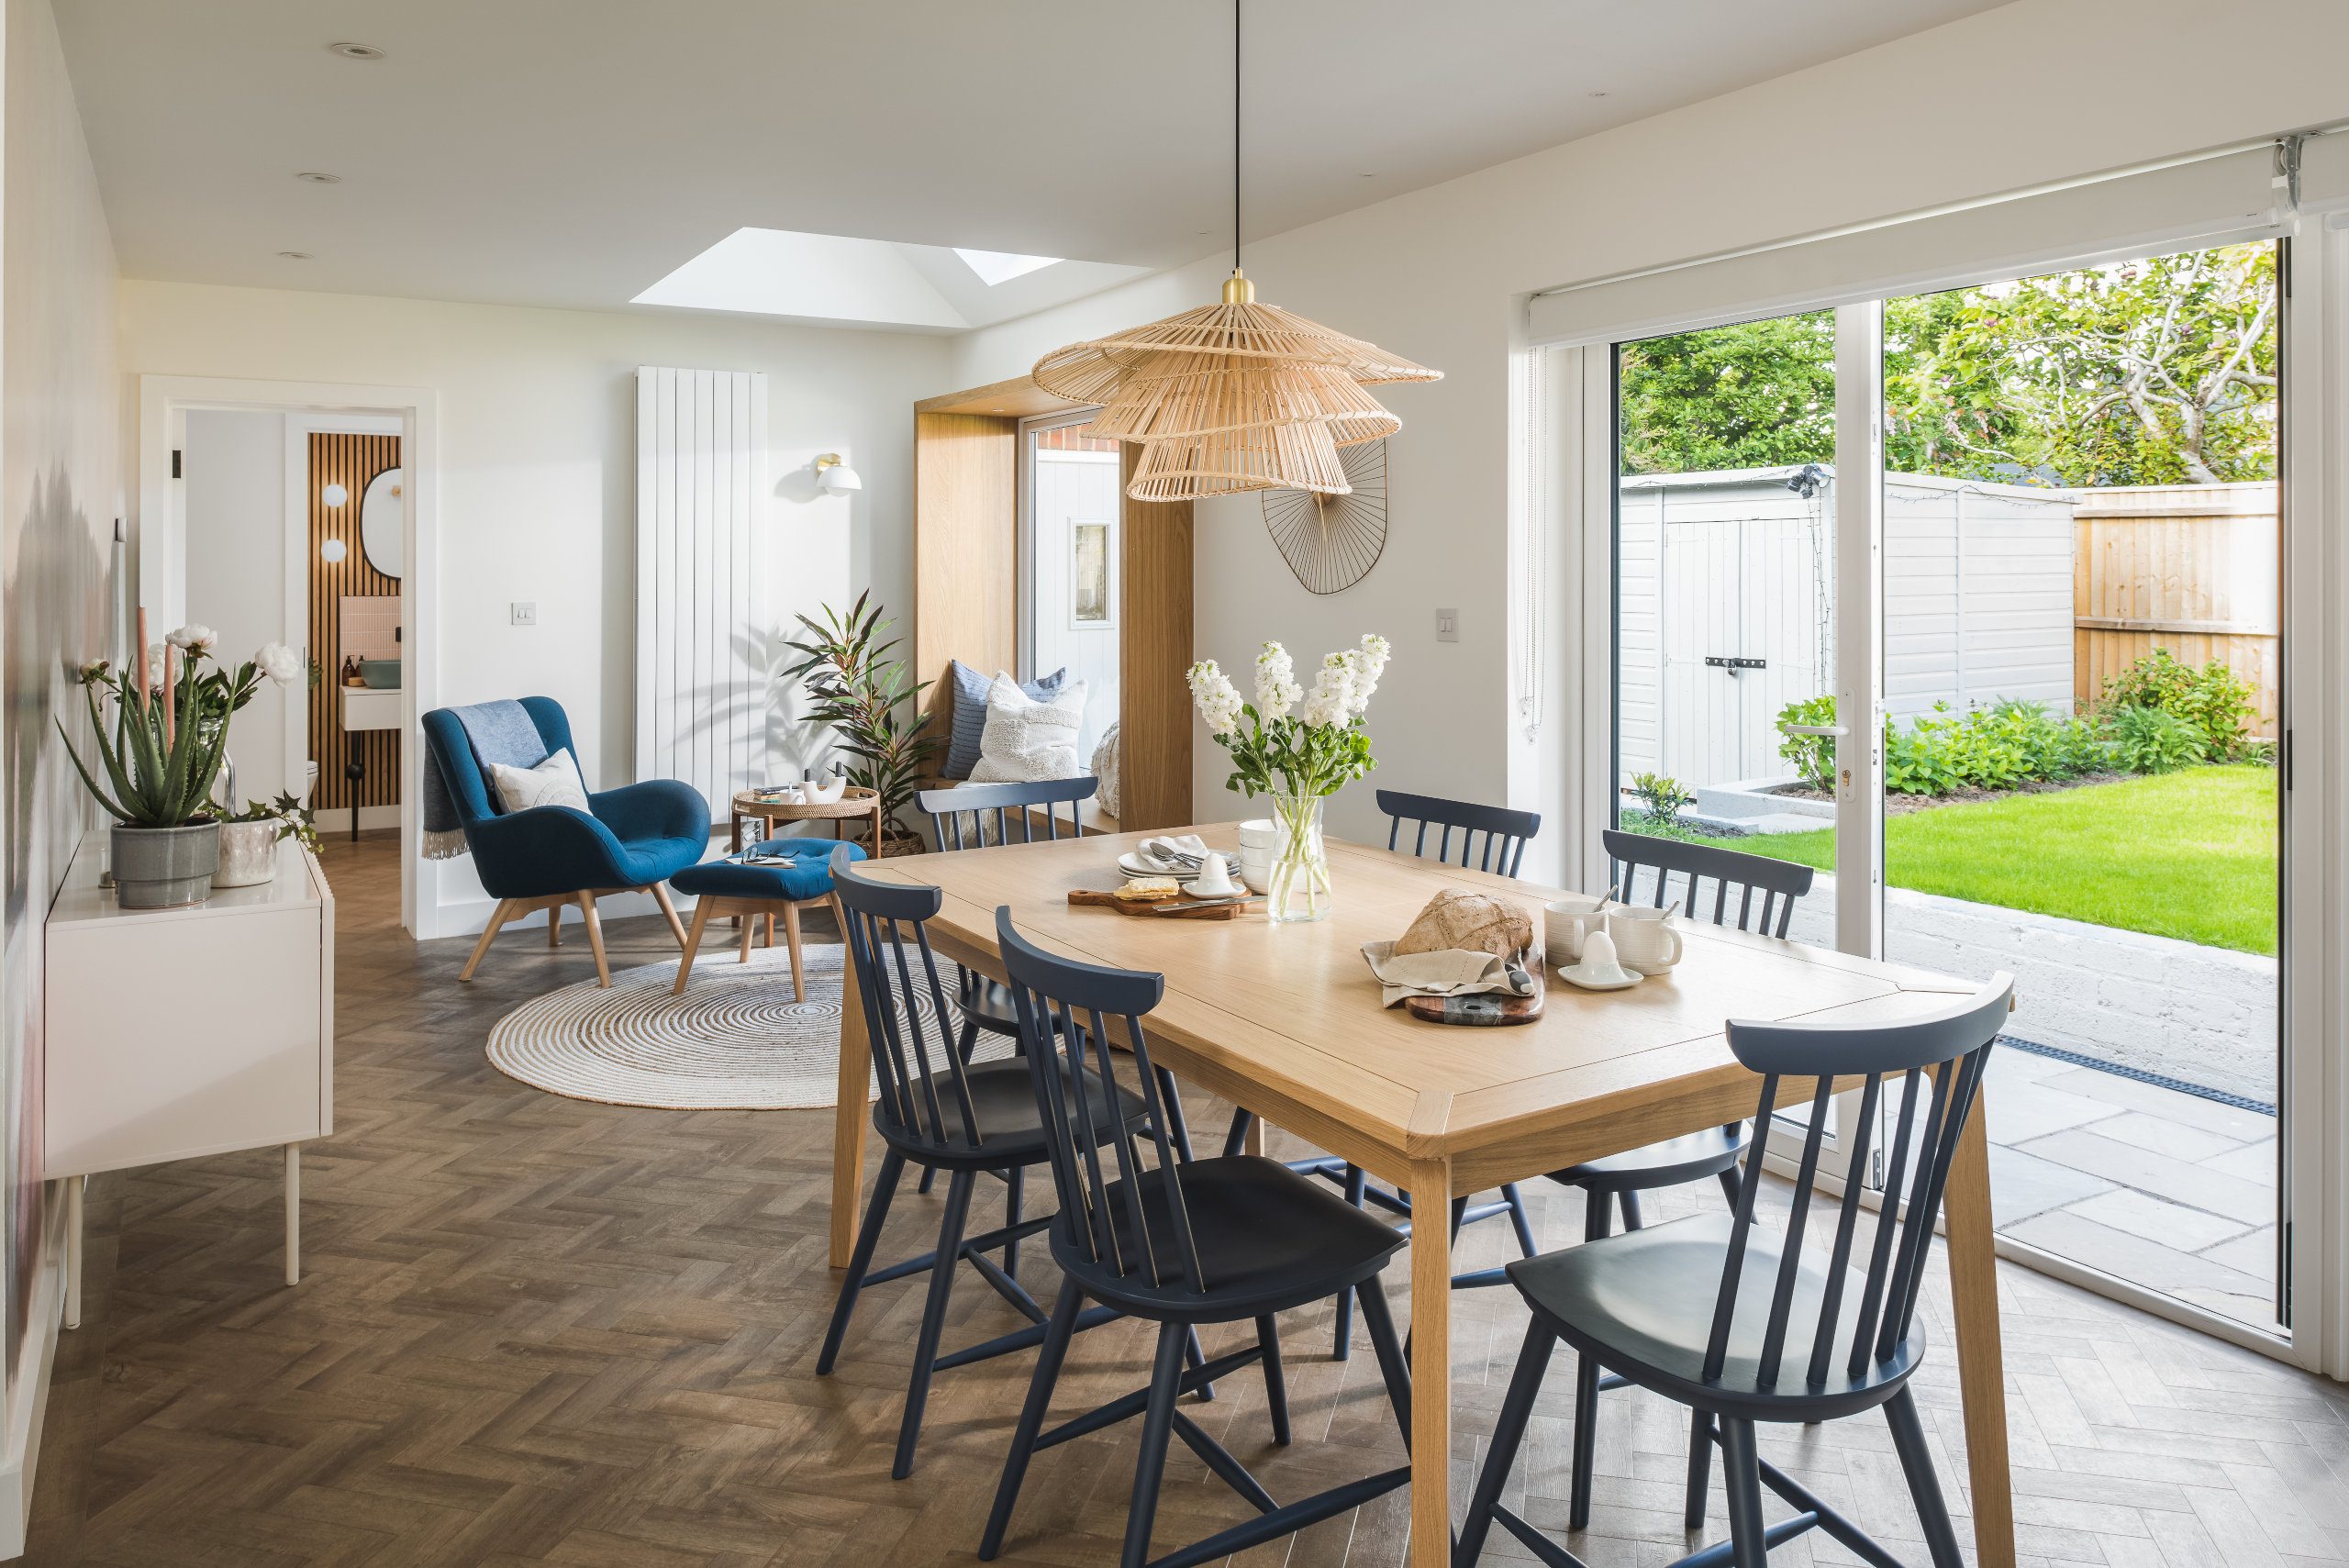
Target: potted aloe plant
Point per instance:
(158, 755)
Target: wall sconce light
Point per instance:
(835, 477)
(332, 550)
(334, 494)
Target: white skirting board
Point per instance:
(706, 646)
(28, 1379)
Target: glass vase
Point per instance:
(1298, 885)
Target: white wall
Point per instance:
(234, 499)
(2034, 92)
(60, 492)
(537, 483)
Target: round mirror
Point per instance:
(382, 523)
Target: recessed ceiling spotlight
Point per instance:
(295, 255)
(1598, 93)
(1367, 174)
(355, 50)
(315, 178)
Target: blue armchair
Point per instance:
(634, 837)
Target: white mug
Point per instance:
(1644, 939)
(1565, 922)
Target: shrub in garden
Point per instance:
(1660, 795)
(1812, 755)
(2155, 740)
(2213, 701)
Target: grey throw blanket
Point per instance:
(497, 732)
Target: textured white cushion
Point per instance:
(1026, 740)
(554, 782)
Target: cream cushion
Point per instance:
(554, 782)
(1026, 740)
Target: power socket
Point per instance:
(1447, 626)
(523, 613)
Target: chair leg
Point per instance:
(1742, 1475)
(1268, 1335)
(554, 927)
(1586, 1440)
(595, 941)
(1015, 1184)
(1195, 1355)
(1519, 1221)
(677, 927)
(791, 939)
(497, 917)
(859, 1261)
(1157, 1426)
(1917, 1463)
(933, 1319)
(750, 920)
(1630, 1203)
(1392, 1366)
(1357, 1183)
(691, 945)
(1500, 1453)
(1729, 1186)
(1700, 1468)
(1057, 1334)
(968, 1045)
(1236, 1139)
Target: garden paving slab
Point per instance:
(2181, 1181)
(2148, 1263)
(2253, 1162)
(2024, 1185)
(2165, 1134)
(2254, 1251)
(2159, 1220)
(2211, 1115)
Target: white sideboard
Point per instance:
(178, 1033)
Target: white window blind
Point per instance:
(703, 689)
(2217, 200)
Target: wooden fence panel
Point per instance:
(2193, 568)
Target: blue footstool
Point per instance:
(785, 873)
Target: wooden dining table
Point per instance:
(1285, 1020)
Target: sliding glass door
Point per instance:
(1972, 602)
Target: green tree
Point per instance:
(2144, 372)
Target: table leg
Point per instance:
(1981, 1371)
(76, 1190)
(849, 1121)
(1432, 1368)
(293, 1213)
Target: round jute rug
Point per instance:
(735, 1041)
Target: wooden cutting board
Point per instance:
(1491, 1009)
(1176, 908)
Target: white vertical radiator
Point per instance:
(703, 639)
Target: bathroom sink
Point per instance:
(381, 674)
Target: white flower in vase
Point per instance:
(1276, 687)
(192, 639)
(281, 663)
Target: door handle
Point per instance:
(1733, 664)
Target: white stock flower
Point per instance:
(1217, 699)
(155, 665)
(280, 663)
(192, 639)
(1276, 687)
(1332, 701)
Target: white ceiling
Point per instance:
(573, 152)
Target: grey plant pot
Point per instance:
(161, 868)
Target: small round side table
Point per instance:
(856, 804)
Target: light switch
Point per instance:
(1447, 626)
(525, 613)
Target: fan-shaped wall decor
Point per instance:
(1332, 541)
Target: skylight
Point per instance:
(1001, 266)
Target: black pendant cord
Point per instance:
(1235, 134)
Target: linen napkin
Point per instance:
(1179, 851)
(1447, 971)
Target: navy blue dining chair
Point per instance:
(1743, 1326)
(941, 1113)
(1177, 1242)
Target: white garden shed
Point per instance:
(1727, 612)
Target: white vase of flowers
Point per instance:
(1299, 748)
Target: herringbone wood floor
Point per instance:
(540, 1332)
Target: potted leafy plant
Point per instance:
(869, 698)
(160, 756)
(248, 840)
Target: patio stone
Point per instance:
(2181, 1181)
(2193, 1111)
(2253, 1162)
(2024, 1185)
(2069, 1234)
(2164, 1134)
(2254, 1251)
(2158, 1219)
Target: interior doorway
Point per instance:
(274, 532)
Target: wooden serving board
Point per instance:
(1490, 1010)
(1176, 908)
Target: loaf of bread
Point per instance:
(1478, 922)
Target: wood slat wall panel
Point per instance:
(705, 646)
(1155, 722)
(351, 460)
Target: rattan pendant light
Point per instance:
(1234, 395)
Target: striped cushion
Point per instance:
(971, 712)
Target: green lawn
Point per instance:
(2189, 854)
